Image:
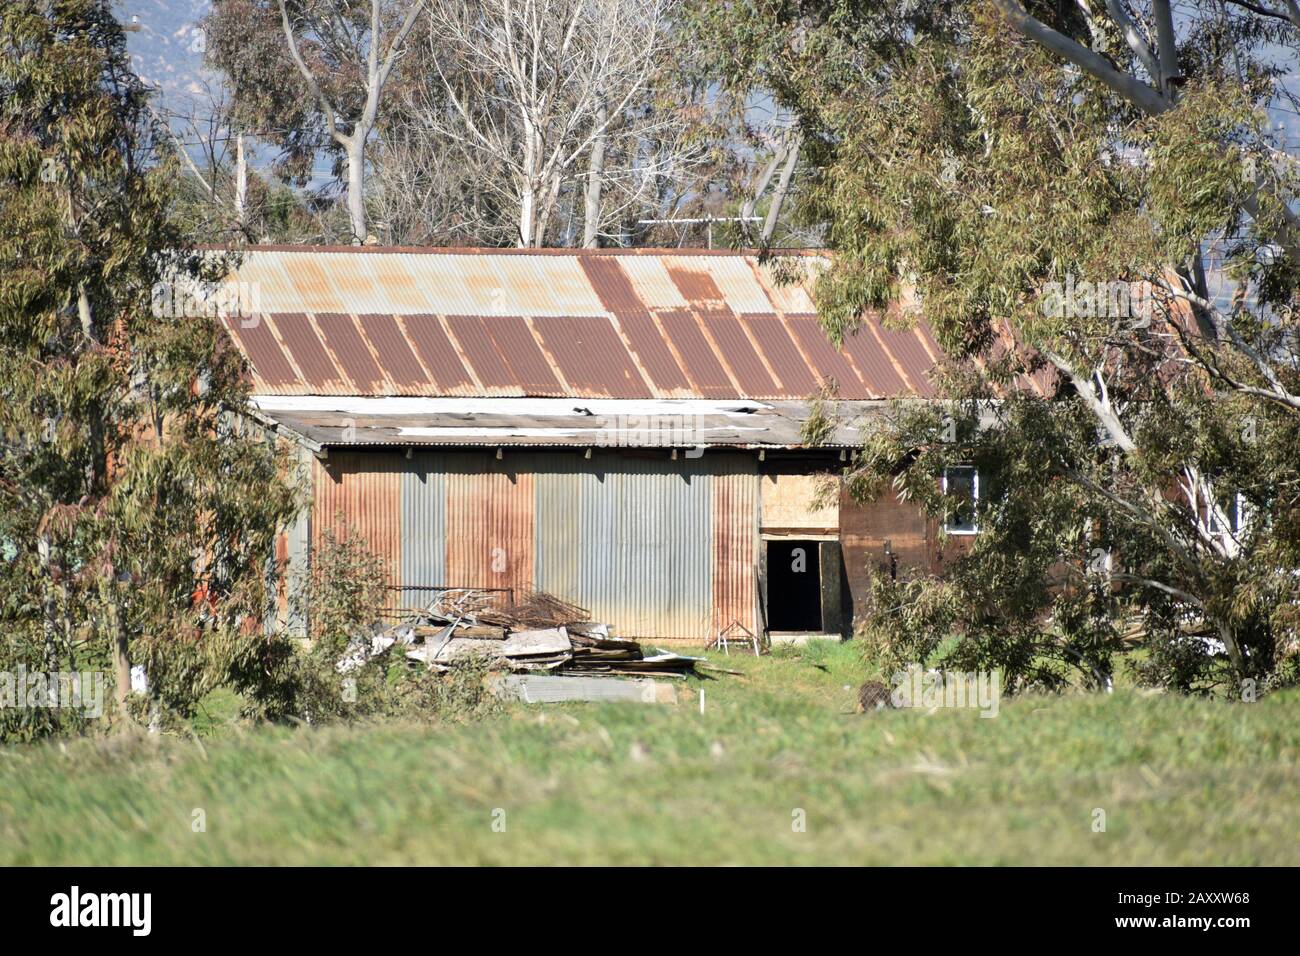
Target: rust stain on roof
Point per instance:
(556, 322)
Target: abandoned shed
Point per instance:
(619, 428)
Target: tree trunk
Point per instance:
(782, 187)
(121, 655)
(527, 206)
(595, 182)
(241, 184)
(356, 186)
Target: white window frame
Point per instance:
(975, 500)
(1242, 521)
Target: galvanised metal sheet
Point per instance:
(874, 362)
(735, 542)
(629, 539)
(424, 524)
(617, 323)
(489, 523)
(304, 344)
(797, 379)
(438, 355)
(358, 494)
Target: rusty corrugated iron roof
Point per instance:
(555, 322)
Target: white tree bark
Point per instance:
(540, 84)
(377, 71)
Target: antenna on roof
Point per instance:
(710, 220)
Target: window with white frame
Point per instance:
(1230, 520)
(963, 483)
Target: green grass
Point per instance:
(1181, 782)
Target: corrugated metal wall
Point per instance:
(489, 523)
(359, 493)
(658, 548)
(735, 543)
(424, 524)
(629, 539)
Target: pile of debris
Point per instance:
(536, 632)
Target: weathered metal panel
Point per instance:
(702, 363)
(878, 534)
(348, 348)
(302, 342)
(909, 353)
(309, 279)
(593, 313)
(874, 362)
(828, 363)
(695, 284)
(591, 355)
(797, 380)
(254, 338)
(528, 366)
(424, 525)
(489, 523)
(790, 296)
(746, 365)
(735, 543)
(489, 364)
(733, 277)
(611, 284)
(655, 357)
(394, 351)
(629, 539)
(438, 354)
(358, 494)
(651, 283)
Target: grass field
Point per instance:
(1180, 781)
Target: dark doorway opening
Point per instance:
(794, 586)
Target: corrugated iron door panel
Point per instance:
(649, 521)
(562, 483)
(490, 527)
(631, 537)
(424, 525)
(735, 541)
(628, 539)
(359, 493)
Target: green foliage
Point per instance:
(963, 168)
(138, 512)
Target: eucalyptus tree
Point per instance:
(1093, 206)
(136, 518)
